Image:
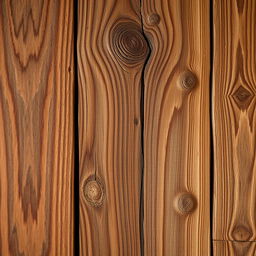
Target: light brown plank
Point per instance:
(176, 128)
(234, 89)
(111, 55)
(36, 128)
(232, 248)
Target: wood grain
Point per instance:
(111, 54)
(234, 117)
(228, 248)
(176, 128)
(36, 128)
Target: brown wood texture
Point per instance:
(36, 128)
(229, 248)
(176, 128)
(234, 121)
(111, 54)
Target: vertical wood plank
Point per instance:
(36, 128)
(234, 101)
(176, 128)
(229, 248)
(111, 55)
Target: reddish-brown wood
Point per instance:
(36, 128)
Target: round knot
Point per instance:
(129, 44)
(185, 203)
(153, 19)
(241, 233)
(93, 191)
(188, 80)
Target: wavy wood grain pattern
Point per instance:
(36, 128)
(228, 248)
(176, 134)
(111, 55)
(234, 101)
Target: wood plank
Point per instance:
(229, 248)
(234, 117)
(36, 128)
(111, 55)
(176, 128)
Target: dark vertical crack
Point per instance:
(76, 138)
(142, 131)
(211, 124)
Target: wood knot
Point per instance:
(188, 80)
(153, 19)
(185, 203)
(241, 233)
(136, 121)
(129, 44)
(93, 191)
(242, 97)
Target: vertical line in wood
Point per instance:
(211, 21)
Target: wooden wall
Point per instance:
(150, 105)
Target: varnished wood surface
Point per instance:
(111, 54)
(36, 128)
(232, 248)
(176, 128)
(234, 121)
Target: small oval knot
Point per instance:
(188, 80)
(185, 203)
(129, 44)
(153, 19)
(93, 191)
(243, 97)
(241, 233)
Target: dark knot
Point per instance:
(129, 44)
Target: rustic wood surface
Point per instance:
(232, 248)
(234, 117)
(36, 128)
(176, 128)
(111, 54)
(144, 127)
